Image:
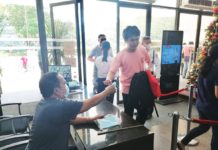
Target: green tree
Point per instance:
(23, 19)
(2, 18)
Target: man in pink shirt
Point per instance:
(130, 60)
(187, 50)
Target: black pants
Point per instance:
(101, 87)
(202, 128)
(129, 109)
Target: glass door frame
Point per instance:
(52, 6)
(198, 29)
(146, 7)
(79, 9)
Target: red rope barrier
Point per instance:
(174, 92)
(203, 121)
(197, 120)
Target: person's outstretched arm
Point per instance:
(110, 78)
(92, 55)
(97, 98)
(114, 67)
(80, 120)
(91, 58)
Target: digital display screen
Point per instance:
(64, 70)
(171, 54)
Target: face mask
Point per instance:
(148, 46)
(67, 91)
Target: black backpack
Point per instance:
(140, 93)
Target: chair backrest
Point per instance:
(21, 145)
(14, 125)
(10, 139)
(10, 104)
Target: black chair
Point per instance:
(18, 141)
(10, 104)
(15, 132)
(21, 145)
(15, 125)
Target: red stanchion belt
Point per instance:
(174, 92)
(203, 121)
(197, 120)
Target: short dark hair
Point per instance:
(191, 43)
(103, 39)
(48, 83)
(146, 38)
(130, 31)
(100, 35)
(105, 46)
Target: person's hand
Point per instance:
(96, 117)
(107, 82)
(110, 89)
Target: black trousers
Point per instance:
(202, 128)
(101, 86)
(142, 113)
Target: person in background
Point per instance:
(24, 62)
(192, 50)
(130, 60)
(54, 114)
(207, 99)
(102, 65)
(182, 59)
(146, 42)
(187, 52)
(96, 52)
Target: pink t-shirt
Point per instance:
(186, 51)
(129, 63)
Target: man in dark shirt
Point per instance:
(51, 123)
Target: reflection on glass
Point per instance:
(188, 24)
(205, 22)
(64, 43)
(162, 19)
(100, 18)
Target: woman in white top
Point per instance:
(102, 65)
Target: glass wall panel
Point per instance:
(100, 18)
(205, 22)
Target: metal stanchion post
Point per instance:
(190, 100)
(175, 125)
(190, 107)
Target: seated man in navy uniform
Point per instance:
(54, 114)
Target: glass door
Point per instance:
(64, 48)
(187, 24)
